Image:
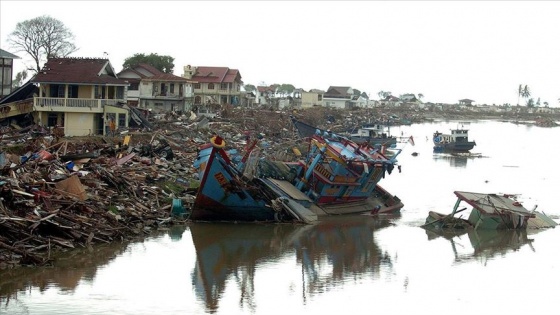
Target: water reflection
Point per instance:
(71, 268)
(328, 253)
(485, 244)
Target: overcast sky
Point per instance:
(446, 50)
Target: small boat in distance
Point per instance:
(457, 141)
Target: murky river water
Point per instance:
(350, 265)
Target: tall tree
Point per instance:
(526, 93)
(162, 63)
(42, 38)
(519, 92)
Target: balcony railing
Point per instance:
(72, 104)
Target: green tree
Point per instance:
(285, 89)
(162, 63)
(249, 87)
(381, 94)
(42, 38)
(19, 79)
(384, 94)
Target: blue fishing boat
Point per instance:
(456, 141)
(336, 176)
(225, 194)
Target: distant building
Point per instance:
(153, 89)
(466, 101)
(214, 85)
(339, 97)
(312, 98)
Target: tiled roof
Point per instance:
(338, 90)
(78, 71)
(216, 75)
(150, 68)
(153, 74)
(125, 74)
(166, 77)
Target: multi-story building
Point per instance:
(214, 85)
(81, 95)
(153, 89)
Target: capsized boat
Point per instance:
(491, 212)
(336, 176)
(456, 141)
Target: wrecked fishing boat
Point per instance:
(489, 212)
(337, 176)
(225, 194)
(376, 135)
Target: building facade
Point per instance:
(214, 85)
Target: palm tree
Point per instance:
(519, 92)
(420, 96)
(526, 93)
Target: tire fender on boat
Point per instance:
(437, 139)
(218, 142)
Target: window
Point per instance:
(99, 92)
(57, 90)
(197, 86)
(120, 92)
(172, 88)
(122, 120)
(52, 120)
(72, 91)
(210, 86)
(197, 100)
(134, 86)
(223, 86)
